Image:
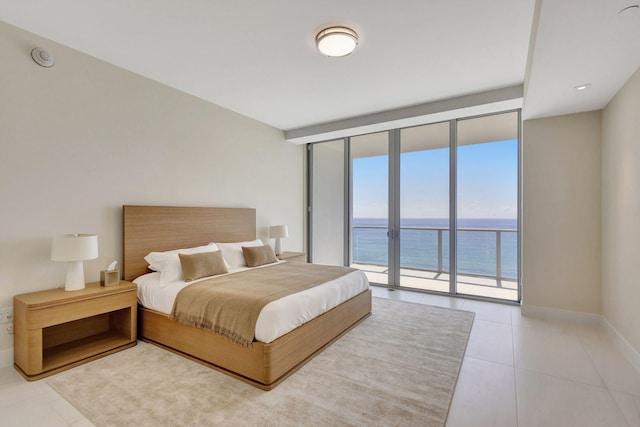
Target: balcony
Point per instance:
(487, 259)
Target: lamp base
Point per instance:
(75, 276)
(278, 249)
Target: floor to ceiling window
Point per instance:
(487, 206)
(370, 205)
(432, 207)
(424, 207)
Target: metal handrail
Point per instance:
(498, 232)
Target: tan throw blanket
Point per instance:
(230, 305)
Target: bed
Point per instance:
(264, 365)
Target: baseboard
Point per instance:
(6, 358)
(630, 353)
(558, 314)
(625, 347)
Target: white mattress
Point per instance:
(276, 318)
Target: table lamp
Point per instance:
(74, 248)
(278, 232)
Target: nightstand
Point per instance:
(293, 256)
(55, 330)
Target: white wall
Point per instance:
(561, 213)
(621, 211)
(83, 138)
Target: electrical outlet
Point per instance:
(9, 328)
(6, 315)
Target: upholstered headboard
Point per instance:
(161, 228)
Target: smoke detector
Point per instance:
(42, 57)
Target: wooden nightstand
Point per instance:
(293, 256)
(56, 330)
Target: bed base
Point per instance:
(159, 228)
(262, 365)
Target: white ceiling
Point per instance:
(581, 42)
(258, 58)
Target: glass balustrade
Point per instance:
(487, 258)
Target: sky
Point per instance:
(487, 183)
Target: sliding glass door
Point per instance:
(432, 207)
(370, 205)
(424, 207)
(487, 206)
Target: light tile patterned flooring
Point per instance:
(522, 372)
(517, 372)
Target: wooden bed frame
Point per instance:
(160, 228)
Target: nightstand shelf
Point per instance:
(65, 354)
(56, 330)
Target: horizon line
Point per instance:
(415, 217)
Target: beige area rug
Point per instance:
(398, 367)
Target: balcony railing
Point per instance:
(466, 248)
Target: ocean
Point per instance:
(419, 247)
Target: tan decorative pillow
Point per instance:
(259, 255)
(197, 266)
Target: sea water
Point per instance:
(476, 242)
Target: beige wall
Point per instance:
(83, 138)
(621, 211)
(561, 212)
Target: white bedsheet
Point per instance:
(276, 318)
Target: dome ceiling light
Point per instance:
(336, 41)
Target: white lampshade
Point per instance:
(74, 248)
(336, 41)
(278, 232)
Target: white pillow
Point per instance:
(168, 263)
(232, 252)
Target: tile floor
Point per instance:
(517, 372)
(522, 372)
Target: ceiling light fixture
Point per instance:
(583, 87)
(336, 41)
